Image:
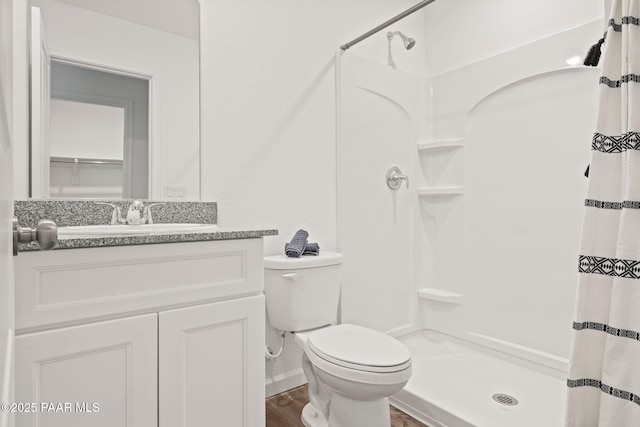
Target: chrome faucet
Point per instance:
(134, 213)
(116, 216)
(137, 213)
(147, 218)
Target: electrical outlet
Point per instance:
(175, 192)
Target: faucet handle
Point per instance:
(116, 216)
(147, 219)
(136, 205)
(395, 177)
(134, 213)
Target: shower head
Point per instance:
(408, 41)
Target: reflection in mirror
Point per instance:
(118, 107)
(98, 135)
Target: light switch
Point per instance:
(175, 192)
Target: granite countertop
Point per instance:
(81, 212)
(101, 240)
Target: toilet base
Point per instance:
(349, 413)
(313, 418)
(345, 412)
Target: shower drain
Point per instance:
(505, 399)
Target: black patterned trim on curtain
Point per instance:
(616, 392)
(626, 20)
(616, 143)
(603, 327)
(627, 78)
(627, 204)
(627, 268)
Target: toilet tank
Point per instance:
(302, 293)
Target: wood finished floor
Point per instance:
(284, 410)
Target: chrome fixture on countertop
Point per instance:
(137, 213)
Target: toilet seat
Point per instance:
(398, 369)
(355, 347)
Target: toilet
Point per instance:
(351, 370)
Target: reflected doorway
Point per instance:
(99, 133)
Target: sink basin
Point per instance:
(123, 230)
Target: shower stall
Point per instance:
(472, 261)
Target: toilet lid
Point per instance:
(359, 348)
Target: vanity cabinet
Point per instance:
(99, 374)
(208, 373)
(162, 335)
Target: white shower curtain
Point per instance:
(604, 370)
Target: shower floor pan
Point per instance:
(454, 384)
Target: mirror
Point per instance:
(98, 133)
(115, 99)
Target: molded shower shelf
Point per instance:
(440, 295)
(441, 191)
(444, 143)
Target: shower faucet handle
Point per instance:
(395, 178)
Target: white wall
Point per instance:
(268, 107)
(80, 129)
(269, 115)
(171, 60)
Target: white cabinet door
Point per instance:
(211, 365)
(100, 375)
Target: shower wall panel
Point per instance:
(379, 113)
(526, 118)
(528, 146)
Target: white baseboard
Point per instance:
(284, 382)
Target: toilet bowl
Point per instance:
(351, 370)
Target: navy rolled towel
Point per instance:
(311, 249)
(295, 248)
